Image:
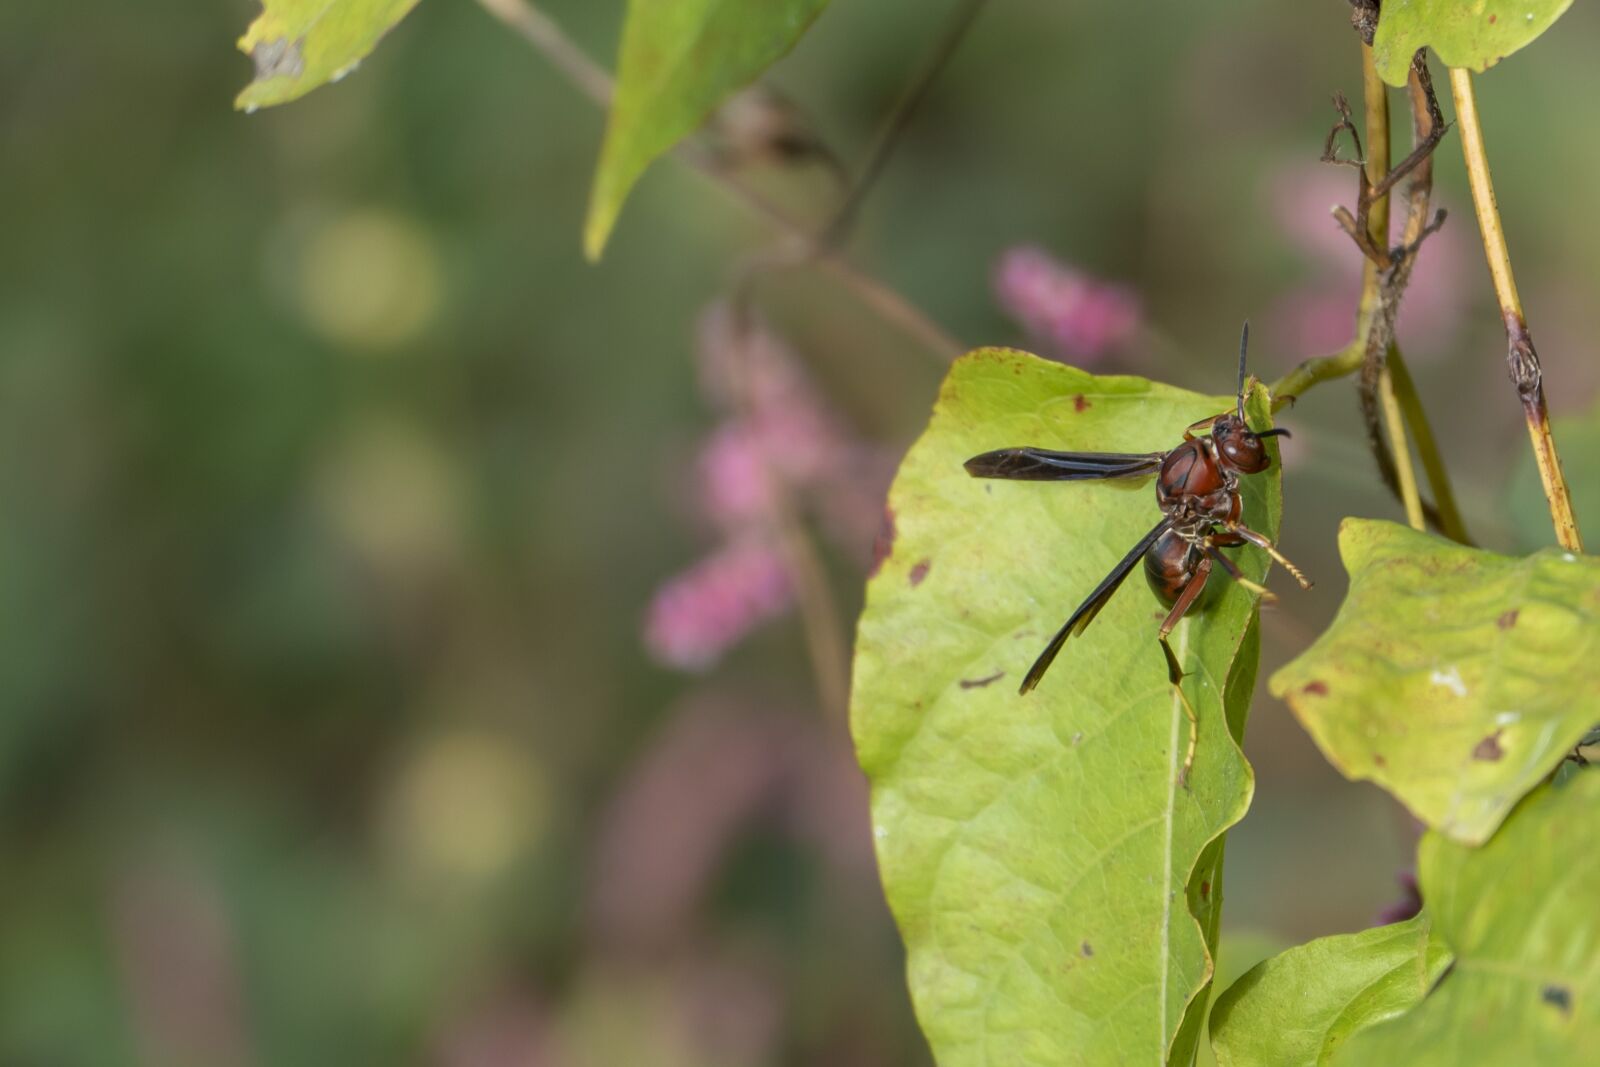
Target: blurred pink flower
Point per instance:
(177, 956)
(1320, 315)
(500, 1027)
(765, 371)
(702, 779)
(1315, 318)
(698, 615)
(1302, 196)
(744, 461)
(717, 770)
(734, 477)
(779, 442)
(1075, 314)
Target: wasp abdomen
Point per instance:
(1169, 566)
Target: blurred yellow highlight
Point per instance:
(464, 806)
(369, 280)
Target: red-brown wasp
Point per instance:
(1197, 489)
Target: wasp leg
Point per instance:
(1186, 599)
(1267, 596)
(1269, 548)
(1203, 424)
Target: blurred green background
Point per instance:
(336, 486)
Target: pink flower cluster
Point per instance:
(1071, 313)
(778, 442)
(700, 612)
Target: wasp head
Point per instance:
(1238, 446)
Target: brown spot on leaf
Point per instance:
(1508, 620)
(1205, 890)
(883, 543)
(919, 571)
(1080, 405)
(1378, 760)
(1493, 19)
(1086, 950)
(979, 683)
(1316, 689)
(1558, 997)
(279, 58)
(1489, 749)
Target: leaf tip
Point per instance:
(596, 232)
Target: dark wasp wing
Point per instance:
(1098, 599)
(1043, 465)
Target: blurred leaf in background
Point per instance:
(679, 59)
(299, 45)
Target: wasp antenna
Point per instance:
(1244, 343)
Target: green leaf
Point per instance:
(1454, 678)
(1578, 440)
(1520, 914)
(1236, 951)
(299, 45)
(1037, 850)
(679, 60)
(1476, 34)
(1299, 1008)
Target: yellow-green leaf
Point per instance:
(1454, 678)
(1521, 915)
(1475, 34)
(298, 45)
(679, 60)
(1298, 1008)
(1056, 885)
(1236, 952)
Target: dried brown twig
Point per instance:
(1386, 273)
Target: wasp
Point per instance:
(1197, 490)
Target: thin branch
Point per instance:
(1400, 392)
(956, 26)
(1444, 497)
(1375, 96)
(1386, 271)
(1376, 315)
(541, 31)
(826, 644)
(1521, 358)
(894, 308)
(546, 37)
(1315, 371)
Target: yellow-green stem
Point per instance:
(1316, 370)
(1444, 497)
(1404, 473)
(1523, 360)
